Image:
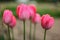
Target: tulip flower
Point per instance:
(12, 24)
(32, 9)
(47, 22)
(35, 20)
(23, 14)
(7, 18)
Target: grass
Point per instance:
(53, 12)
(13, 9)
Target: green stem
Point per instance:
(34, 35)
(24, 29)
(30, 31)
(12, 35)
(9, 38)
(45, 35)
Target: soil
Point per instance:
(52, 34)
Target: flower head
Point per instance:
(7, 16)
(37, 18)
(32, 9)
(23, 12)
(47, 21)
(13, 22)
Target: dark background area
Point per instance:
(35, 0)
(6, 0)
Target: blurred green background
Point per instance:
(53, 12)
(51, 7)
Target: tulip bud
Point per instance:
(7, 16)
(32, 10)
(23, 12)
(13, 22)
(47, 21)
(37, 18)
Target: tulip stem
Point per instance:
(34, 35)
(24, 29)
(12, 35)
(30, 31)
(45, 34)
(9, 38)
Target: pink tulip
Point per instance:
(47, 21)
(23, 12)
(17, 10)
(32, 9)
(7, 16)
(13, 22)
(37, 18)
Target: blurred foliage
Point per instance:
(53, 12)
(6, 0)
(13, 9)
(35, 0)
(1, 37)
(46, 0)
